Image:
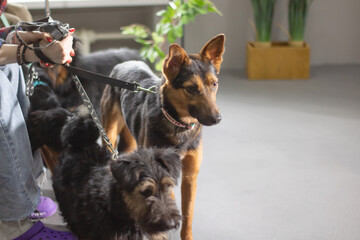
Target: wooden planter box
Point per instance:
(280, 61)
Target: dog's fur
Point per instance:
(187, 91)
(102, 199)
(43, 102)
(45, 120)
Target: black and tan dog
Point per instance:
(126, 198)
(174, 116)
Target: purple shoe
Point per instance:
(45, 208)
(39, 231)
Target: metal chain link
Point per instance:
(32, 75)
(94, 115)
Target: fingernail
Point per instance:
(69, 61)
(49, 39)
(72, 30)
(72, 54)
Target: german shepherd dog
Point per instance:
(173, 117)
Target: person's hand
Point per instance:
(59, 52)
(31, 37)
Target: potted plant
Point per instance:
(298, 11)
(263, 16)
(177, 14)
(278, 60)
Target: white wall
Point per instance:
(333, 30)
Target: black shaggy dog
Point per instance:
(127, 198)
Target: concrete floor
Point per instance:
(284, 163)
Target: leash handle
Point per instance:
(56, 29)
(94, 116)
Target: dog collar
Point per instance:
(37, 83)
(176, 123)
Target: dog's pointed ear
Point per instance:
(126, 172)
(214, 50)
(174, 61)
(169, 159)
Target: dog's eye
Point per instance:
(167, 187)
(147, 192)
(191, 89)
(214, 85)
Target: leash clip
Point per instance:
(138, 88)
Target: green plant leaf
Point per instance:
(298, 10)
(151, 55)
(178, 30)
(136, 30)
(212, 8)
(159, 65)
(143, 41)
(263, 14)
(161, 12)
(158, 39)
(163, 29)
(159, 51)
(172, 5)
(171, 36)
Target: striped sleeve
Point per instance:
(4, 32)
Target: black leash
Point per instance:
(134, 86)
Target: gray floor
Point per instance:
(284, 164)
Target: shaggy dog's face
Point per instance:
(146, 180)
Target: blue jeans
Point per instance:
(19, 191)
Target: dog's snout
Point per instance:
(163, 215)
(218, 119)
(214, 119)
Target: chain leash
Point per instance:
(94, 115)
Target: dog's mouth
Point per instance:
(212, 120)
(162, 226)
(161, 217)
(205, 117)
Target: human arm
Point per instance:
(59, 51)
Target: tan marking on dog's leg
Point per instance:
(50, 157)
(127, 141)
(190, 169)
(113, 122)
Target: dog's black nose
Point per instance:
(211, 120)
(218, 119)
